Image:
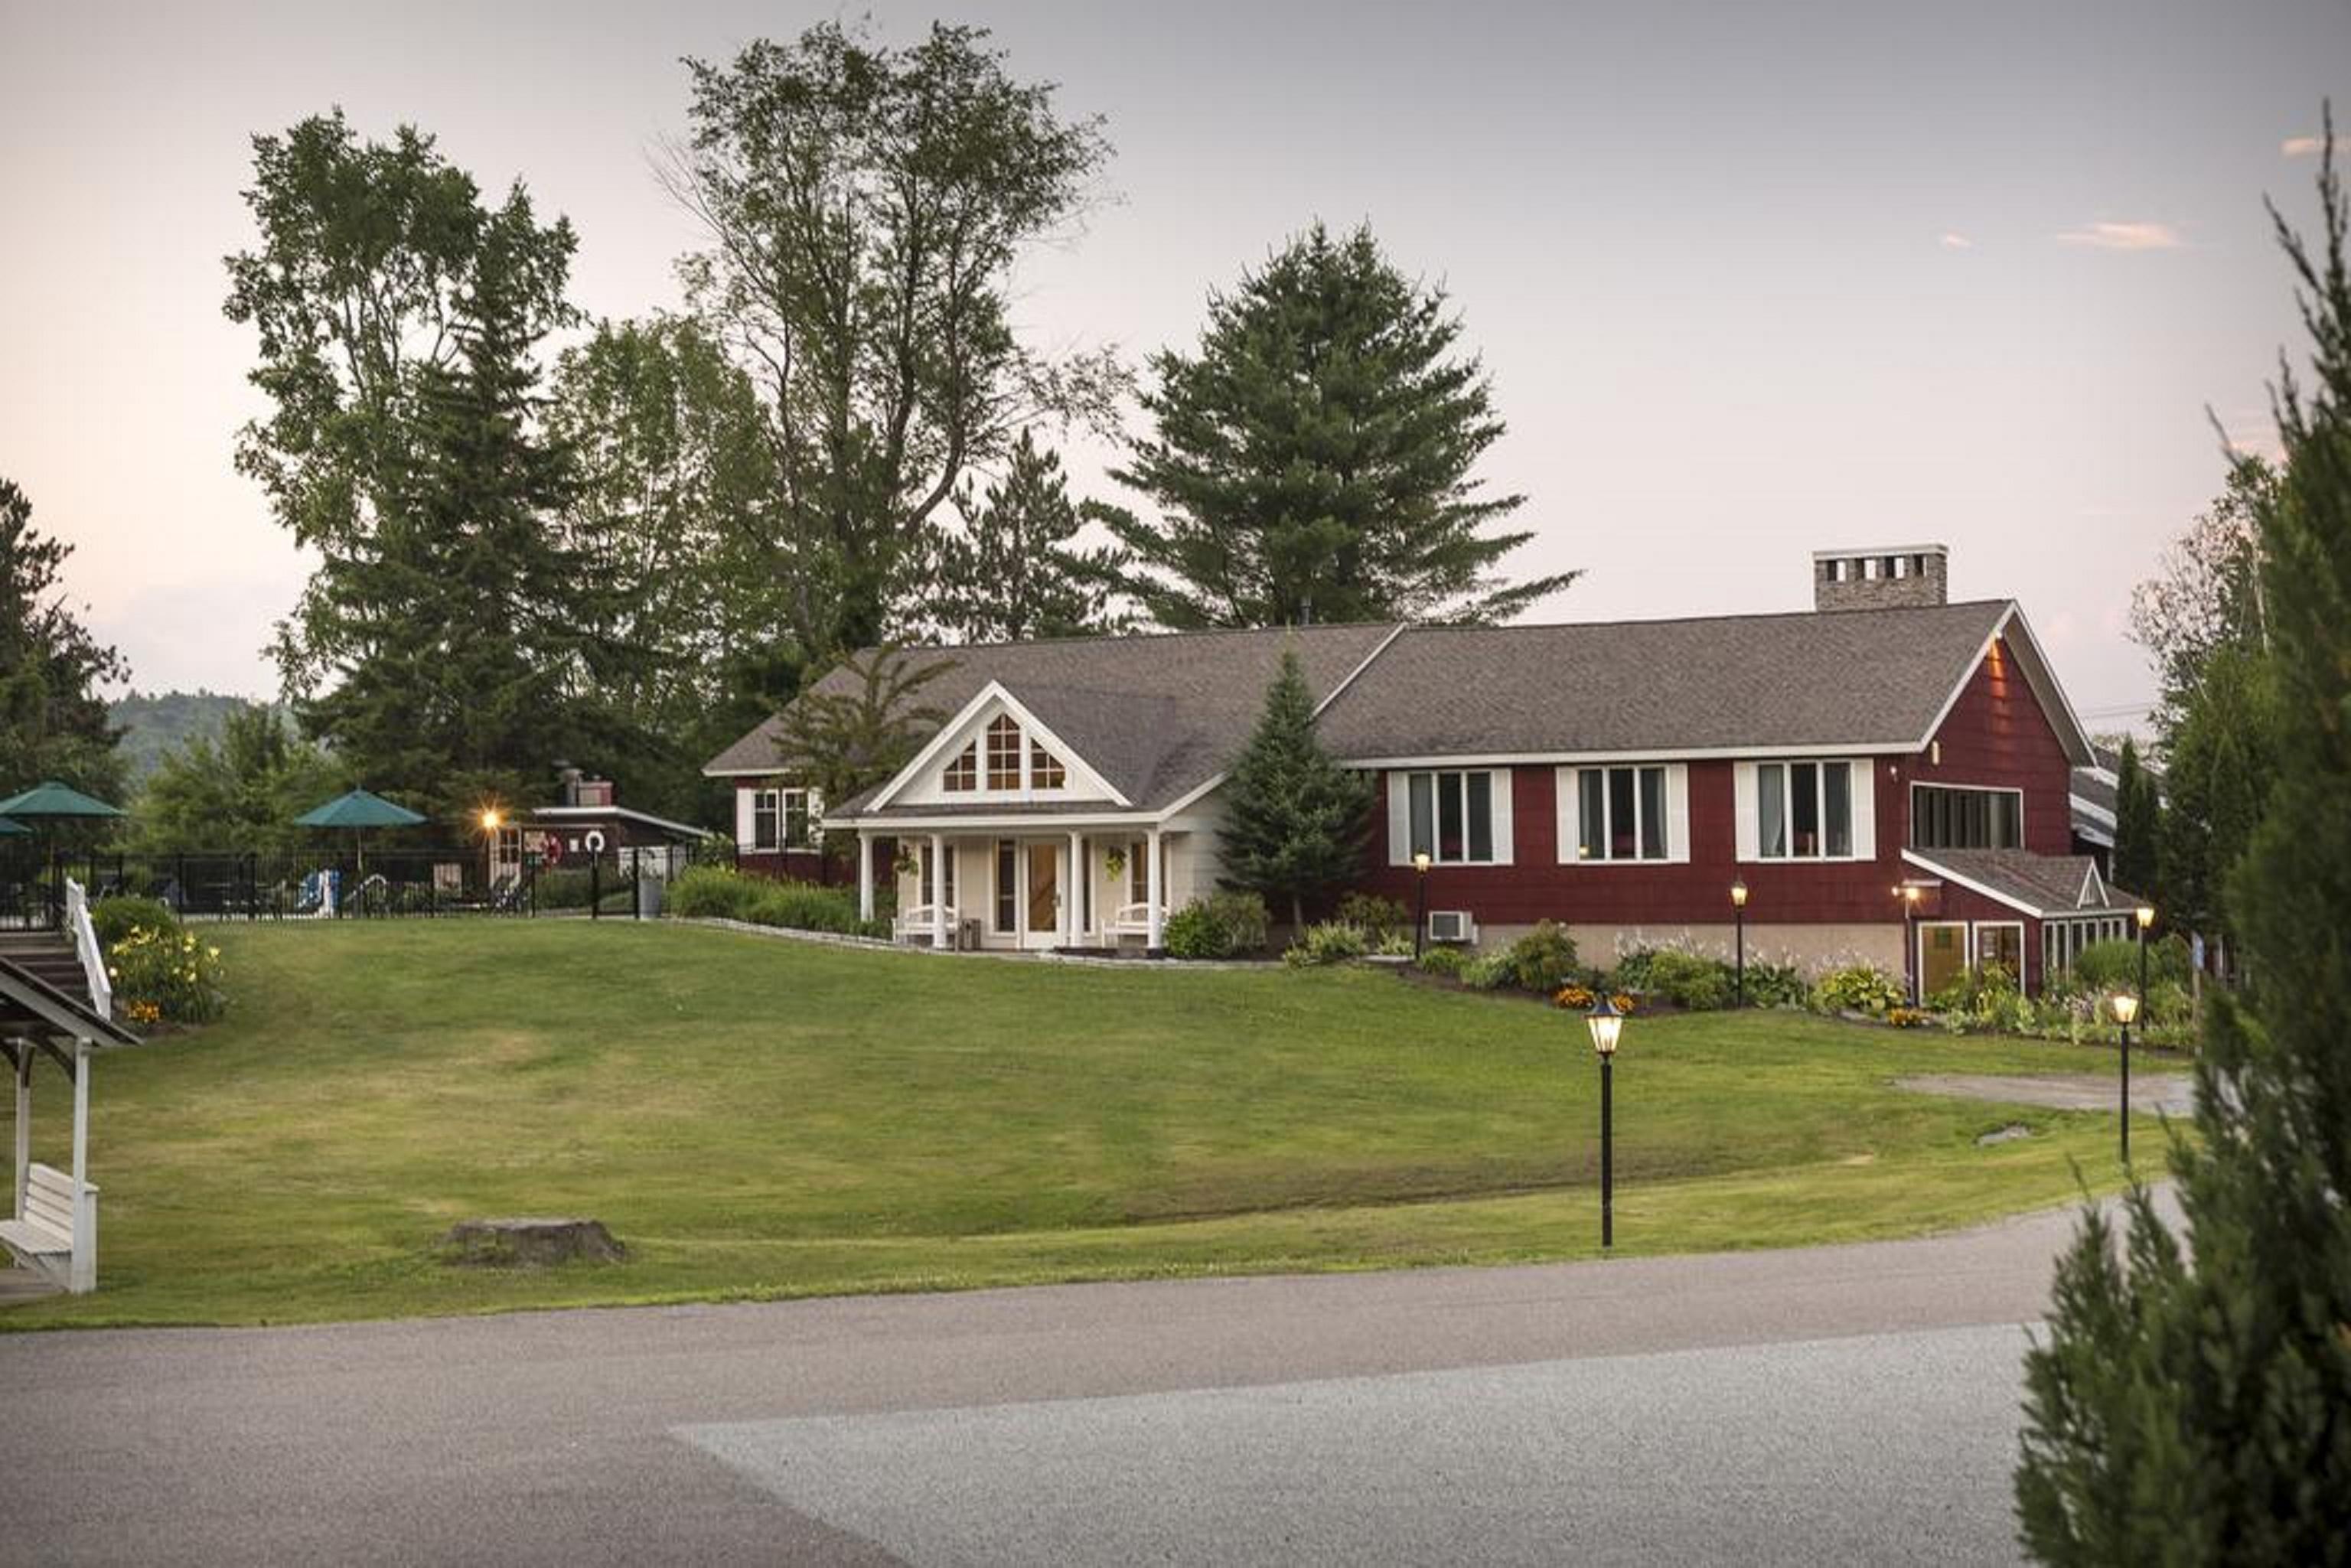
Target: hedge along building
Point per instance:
(1888, 775)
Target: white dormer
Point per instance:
(996, 751)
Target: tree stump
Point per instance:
(529, 1243)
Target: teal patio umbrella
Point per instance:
(8, 827)
(50, 802)
(359, 810)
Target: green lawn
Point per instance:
(758, 1118)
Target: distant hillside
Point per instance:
(153, 725)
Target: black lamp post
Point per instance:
(1909, 891)
(2126, 1008)
(1738, 922)
(1420, 915)
(1605, 1023)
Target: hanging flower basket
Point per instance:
(1114, 862)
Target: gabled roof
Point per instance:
(1156, 716)
(32, 1009)
(1743, 685)
(2045, 885)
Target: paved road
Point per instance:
(1850, 1404)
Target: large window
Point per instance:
(1452, 817)
(1947, 819)
(1004, 753)
(764, 818)
(1014, 762)
(1621, 814)
(1804, 811)
(1008, 885)
(800, 813)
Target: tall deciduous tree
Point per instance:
(367, 252)
(674, 512)
(1313, 460)
(866, 205)
(2138, 823)
(1015, 570)
(2193, 1401)
(2207, 595)
(53, 723)
(1295, 821)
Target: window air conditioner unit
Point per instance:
(1451, 926)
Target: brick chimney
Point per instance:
(1885, 578)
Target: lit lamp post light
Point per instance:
(1606, 1023)
(1739, 922)
(2126, 1008)
(2146, 913)
(1420, 919)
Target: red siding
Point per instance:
(799, 865)
(1536, 886)
(1997, 735)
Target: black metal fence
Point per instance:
(429, 883)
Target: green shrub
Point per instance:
(1329, 941)
(1776, 986)
(877, 930)
(1393, 944)
(1489, 972)
(1244, 917)
(1377, 915)
(1857, 989)
(1193, 932)
(1543, 959)
(165, 974)
(2114, 965)
(1684, 979)
(711, 893)
(114, 918)
(804, 907)
(1446, 961)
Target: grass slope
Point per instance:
(759, 1118)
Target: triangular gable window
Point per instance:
(998, 758)
(962, 774)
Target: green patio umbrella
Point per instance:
(51, 798)
(7, 827)
(51, 801)
(359, 810)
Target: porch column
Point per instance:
(82, 1272)
(865, 876)
(1080, 875)
(23, 1125)
(939, 890)
(1154, 890)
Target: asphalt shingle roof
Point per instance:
(2052, 884)
(1855, 678)
(1155, 715)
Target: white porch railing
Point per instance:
(85, 949)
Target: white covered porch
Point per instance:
(1018, 885)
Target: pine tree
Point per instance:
(53, 723)
(1295, 820)
(1312, 461)
(467, 670)
(2193, 1401)
(2137, 806)
(1014, 571)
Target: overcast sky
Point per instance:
(1751, 280)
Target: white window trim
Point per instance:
(1400, 815)
(1861, 777)
(1080, 781)
(1911, 837)
(771, 800)
(1975, 945)
(1566, 791)
(811, 815)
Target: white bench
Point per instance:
(918, 922)
(49, 1236)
